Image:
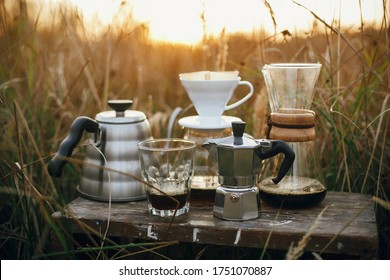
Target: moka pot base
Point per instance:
(236, 204)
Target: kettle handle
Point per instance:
(278, 146)
(57, 163)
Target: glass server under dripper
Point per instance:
(290, 88)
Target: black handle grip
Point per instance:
(277, 147)
(65, 150)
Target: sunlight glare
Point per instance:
(180, 21)
(171, 20)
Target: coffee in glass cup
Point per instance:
(167, 166)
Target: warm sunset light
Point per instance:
(194, 138)
(181, 21)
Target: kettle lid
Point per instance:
(120, 113)
(238, 140)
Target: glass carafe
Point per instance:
(290, 88)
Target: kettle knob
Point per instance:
(120, 106)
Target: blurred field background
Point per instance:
(49, 76)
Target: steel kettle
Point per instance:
(112, 153)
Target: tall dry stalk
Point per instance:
(84, 61)
(295, 252)
(223, 51)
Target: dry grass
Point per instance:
(50, 76)
(295, 252)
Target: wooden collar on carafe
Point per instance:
(292, 125)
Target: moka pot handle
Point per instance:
(277, 147)
(57, 163)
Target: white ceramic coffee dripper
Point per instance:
(210, 93)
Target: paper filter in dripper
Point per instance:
(209, 75)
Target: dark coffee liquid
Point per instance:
(293, 199)
(304, 192)
(163, 202)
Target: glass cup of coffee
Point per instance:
(167, 166)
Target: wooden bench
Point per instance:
(343, 223)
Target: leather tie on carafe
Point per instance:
(291, 126)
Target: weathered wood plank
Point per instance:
(347, 225)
